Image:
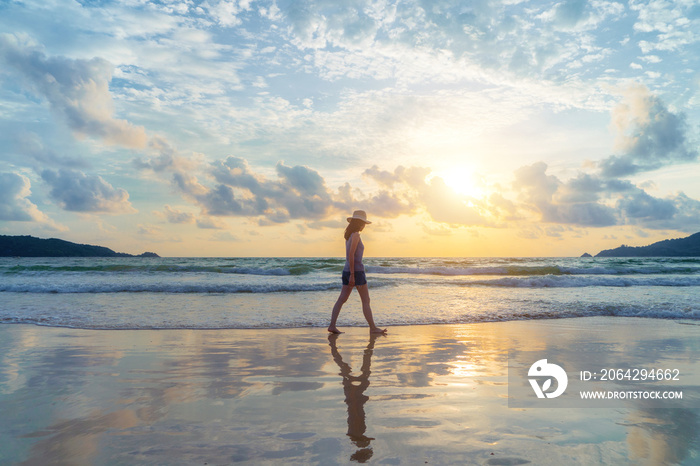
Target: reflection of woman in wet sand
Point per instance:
(354, 272)
(354, 387)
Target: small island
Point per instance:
(680, 247)
(29, 246)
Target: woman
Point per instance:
(354, 272)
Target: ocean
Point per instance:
(222, 293)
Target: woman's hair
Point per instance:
(354, 225)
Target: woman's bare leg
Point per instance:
(367, 310)
(344, 294)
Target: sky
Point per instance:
(254, 128)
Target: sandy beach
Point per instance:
(434, 394)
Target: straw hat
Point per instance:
(359, 215)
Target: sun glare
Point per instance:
(462, 181)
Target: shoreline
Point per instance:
(684, 321)
(434, 393)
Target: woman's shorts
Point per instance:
(360, 278)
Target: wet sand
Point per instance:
(435, 394)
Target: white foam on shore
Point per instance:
(254, 319)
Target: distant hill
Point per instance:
(681, 247)
(29, 246)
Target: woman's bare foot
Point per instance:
(334, 330)
(377, 330)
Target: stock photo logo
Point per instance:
(542, 369)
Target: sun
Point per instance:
(463, 181)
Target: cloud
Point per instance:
(554, 231)
(570, 13)
(351, 25)
(503, 208)
(188, 184)
(176, 216)
(640, 207)
(577, 15)
(677, 212)
(235, 171)
(649, 135)
(666, 26)
(593, 201)
(589, 214)
(14, 205)
(438, 230)
(410, 190)
(298, 192)
(301, 193)
(444, 205)
(221, 200)
(303, 180)
(573, 203)
(75, 191)
(224, 236)
(179, 217)
(225, 11)
(412, 176)
(78, 90)
(149, 230)
(510, 42)
(582, 188)
(166, 157)
(211, 223)
(687, 216)
(539, 188)
(30, 145)
(388, 203)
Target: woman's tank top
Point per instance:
(358, 256)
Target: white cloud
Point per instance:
(14, 203)
(75, 191)
(224, 12)
(592, 201)
(78, 90)
(649, 135)
(671, 22)
(124, 21)
(651, 58)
